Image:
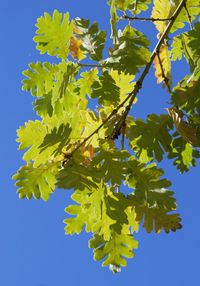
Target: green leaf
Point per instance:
(134, 6)
(42, 142)
(40, 78)
(112, 164)
(114, 251)
(57, 136)
(91, 39)
(130, 53)
(180, 48)
(194, 38)
(43, 105)
(187, 44)
(113, 21)
(86, 81)
(68, 76)
(154, 209)
(184, 128)
(38, 182)
(86, 212)
(32, 136)
(53, 34)
(164, 9)
(139, 6)
(99, 209)
(93, 121)
(75, 175)
(145, 178)
(124, 82)
(52, 84)
(186, 95)
(193, 10)
(156, 219)
(155, 198)
(183, 154)
(106, 89)
(162, 66)
(152, 138)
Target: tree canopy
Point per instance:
(87, 138)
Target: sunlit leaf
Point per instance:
(162, 66)
(130, 53)
(164, 10)
(152, 138)
(53, 34)
(105, 89)
(39, 78)
(58, 136)
(187, 132)
(113, 20)
(132, 5)
(99, 210)
(36, 182)
(87, 40)
(143, 178)
(154, 209)
(114, 251)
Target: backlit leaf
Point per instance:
(187, 132)
(86, 81)
(164, 10)
(134, 6)
(87, 40)
(151, 139)
(124, 82)
(53, 34)
(58, 136)
(99, 209)
(40, 78)
(105, 89)
(183, 154)
(112, 163)
(154, 209)
(130, 53)
(143, 178)
(36, 182)
(163, 66)
(114, 251)
(113, 20)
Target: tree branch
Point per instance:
(131, 96)
(166, 80)
(139, 83)
(126, 17)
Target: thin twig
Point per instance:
(123, 136)
(131, 96)
(122, 148)
(91, 65)
(126, 17)
(166, 79)
(189, 16)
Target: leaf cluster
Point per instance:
(83, 101)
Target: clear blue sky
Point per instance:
(33, 248)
